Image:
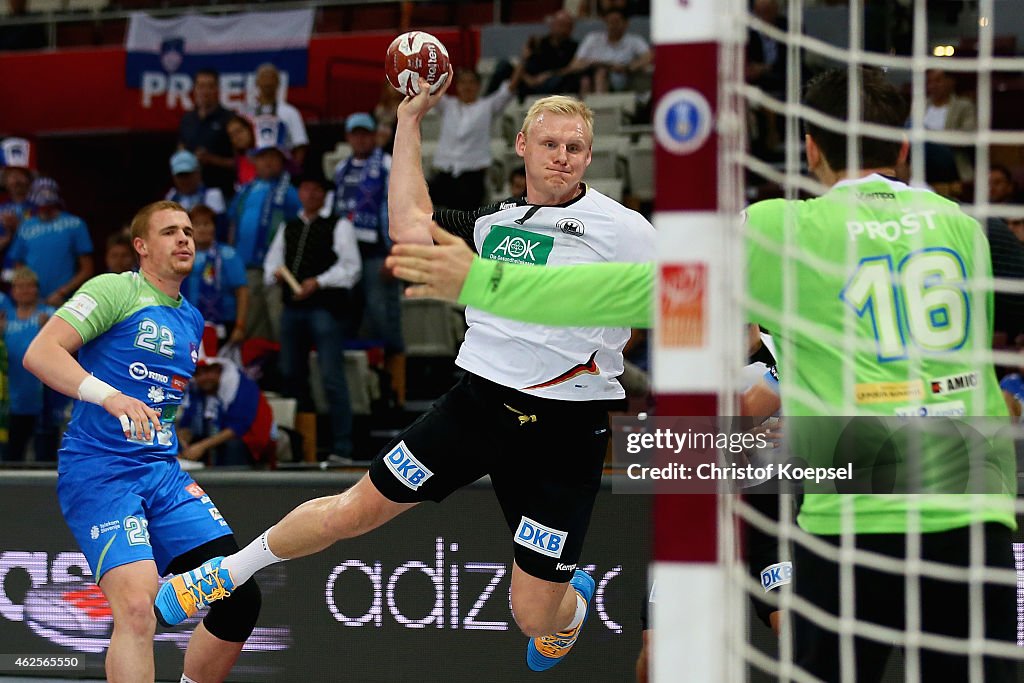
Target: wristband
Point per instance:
(95, 390)
(776, 575)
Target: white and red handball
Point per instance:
(420, 53)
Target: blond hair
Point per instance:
(24, 274)
(140, 224)
(560, 104)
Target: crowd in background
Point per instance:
(290, 260)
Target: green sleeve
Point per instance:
(97, 305)
(764, 241)
(591, 295)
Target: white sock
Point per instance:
(581, 612)
(250, 559)
(186, 679)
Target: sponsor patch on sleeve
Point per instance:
(81, 305)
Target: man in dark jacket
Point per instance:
(316, 259)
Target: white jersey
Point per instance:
(566, 363)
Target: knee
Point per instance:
(234, 619)
(134, 613)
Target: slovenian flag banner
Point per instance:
(238, 43)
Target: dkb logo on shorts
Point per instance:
(406, 467)
(536, 536)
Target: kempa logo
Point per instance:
(565, 567)
(517, 246)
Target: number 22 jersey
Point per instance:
(141, 342)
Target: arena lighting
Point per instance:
(943, 51)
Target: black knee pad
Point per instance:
(234, 618)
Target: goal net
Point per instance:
(956, 66)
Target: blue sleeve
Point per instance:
(234, 270)
(1013, 384)
(82, 241)
(240, 415)
(18, 249)
(292, 205)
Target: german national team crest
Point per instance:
(571, 226)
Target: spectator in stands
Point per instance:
(16, 181)
(947, 111)
(361, 194)
(203, 131)
(270, 101)
(242, 141)
(1016, 226)
(21, 36)
(54, 244)
(766, 58)
(225, 419)
(1001, 187)
(255, 214)
(189, 190)
(608, 60)
(517, 182)
(544, 59)
(120, 254)
(22, 321)
(217, 286)
(322, 255)
(464, 148)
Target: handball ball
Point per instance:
(416, 52)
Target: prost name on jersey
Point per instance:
(141, 342)
(567, 363)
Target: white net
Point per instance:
(958, 67)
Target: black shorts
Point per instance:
(544, 458)
(880, 599)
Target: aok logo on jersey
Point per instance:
(517, 246)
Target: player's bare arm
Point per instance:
(439, 271)
(49, 358)
(409, 205)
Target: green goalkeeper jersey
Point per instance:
(868, 291)
(882, 298)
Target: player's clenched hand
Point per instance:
(440, 271)
(417, 105)
(136, 417)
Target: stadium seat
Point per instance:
(86, 5)
(606, 159)
(46, 5)
(341, 151)
(610, 109)
(429, 328)
(640, 168)
(612, 187)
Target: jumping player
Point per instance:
(134, 513)
(532, 410)
(902, 277)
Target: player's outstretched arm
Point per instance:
(409, 206)
(49, 358)
(591, 295)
